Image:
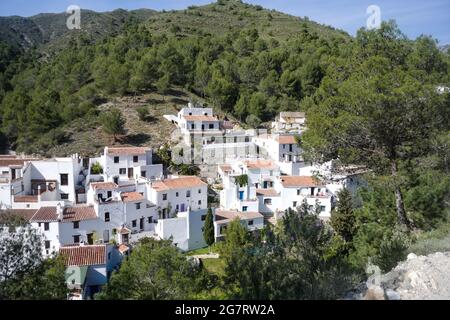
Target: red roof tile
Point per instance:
(178, 183)
(23, 199)
(267, 192)
(126, 150)
(45, 214)
(84, 255)
(200, 118)
(131, 196)
(299, 181)
(79, 214)
(286, 140)
(104, 185)
(260, 164)
(11, 162)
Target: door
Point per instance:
(241, 195)
(90, 238)
(182, 207)
(141, 224)
(130, 173)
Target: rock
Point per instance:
(411, 256)
(374, 293)
(417, 278)
(392, 295)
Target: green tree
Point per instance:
(343, 218)
(155, 270)
(113, 123)
(208, 229)
(142, 113)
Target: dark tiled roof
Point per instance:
(84, 255)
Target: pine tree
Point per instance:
(342, 218)
(208, 229)
(113, 123)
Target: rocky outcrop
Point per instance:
(417, 278)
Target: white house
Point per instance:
(289, 122)
(88, 268)
(251, 220)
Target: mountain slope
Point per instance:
(45, 28)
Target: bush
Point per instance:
(96, 168)
(142, 113)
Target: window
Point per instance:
(64, 196)
(188, 194)
(176, 194)
(134, 223)
(150, 219)
(138, 206)
(294, 204)
(199, 202)
(250, 222)
(164, 196)
(298, 192)
(107, 218)
(211, 125)
(268, 201)
(135, 158)
(284, 146)
(192, 126)
(46, 226)
(116, 159)
(199, 191)
(76, 239)
(143, 173)
(109, 194)
(204, 217)
(64, 179)
(244, 209)
(47, 244)
(76, 224)
(322, 208)
(177, 207)
(122, 171)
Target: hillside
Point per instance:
(50, 28)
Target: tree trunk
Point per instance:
(401, 213)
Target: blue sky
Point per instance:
(415, 17)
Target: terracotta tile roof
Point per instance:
(124, 230)
(123, 248)
(286, 140)
(224, 216)
(79, 214)
(26, 214)
(260, 164)
(22, 199)
(299, 181)
(178, 183)
(225, 167)
(104, 185)
(85, 255)
(267, 192)
(11, 162)
(45, 214)
(131, 196)
(126, 150)
(200, 118)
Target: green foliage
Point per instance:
(343, 218)
(113, 122)
(142, 113)
(241, 180)
(155, 270)
(96, 168)
(208, 228)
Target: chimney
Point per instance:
(39, 193)
(59, 211)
